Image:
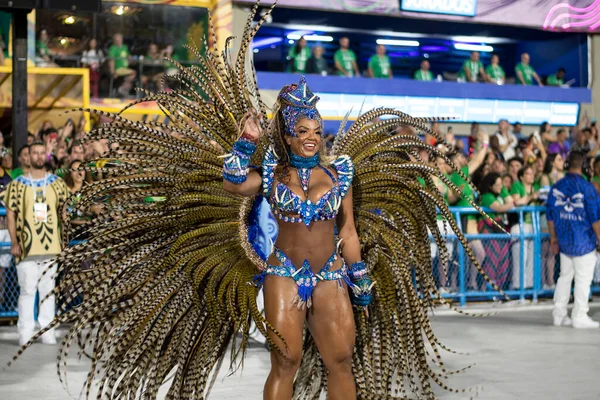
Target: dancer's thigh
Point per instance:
(283, 315)
(331, 322)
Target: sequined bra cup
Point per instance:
(283, 200)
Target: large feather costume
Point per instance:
(169, 291)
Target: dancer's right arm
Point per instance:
(248, 188)
(237, 177)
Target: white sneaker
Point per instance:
(564, 321)
(51, 340)
(23, 340)
(585, 322)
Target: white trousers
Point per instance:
(516, 258)
(28, 274)
(5, 256)
(582, 268)
(597, 272)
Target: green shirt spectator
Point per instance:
(424, 74)
(525, 73)
(346, 59)
(495, 197)
(495, 73)
(556, 79)
(380, 67)
(120, 54)
(421, 75)
(299, 55)
(472, 69)
(467, 192)
(487, 199)
(379, 64)
(519, 188)
(42, 49)
(42, 52)
(16, 172)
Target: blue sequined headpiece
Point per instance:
(298, 102)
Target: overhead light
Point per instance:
(480, 39)
(65, 41)
(255, 51)
(290, 41)
(124, 10)
(390, 34)
(70, 20)
(473, 47)
(310, 38)
(398, 42)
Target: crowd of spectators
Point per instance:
(63, 145)
(122, 70)
(510, 169)
(301, 59)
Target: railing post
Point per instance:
(461, 265)
(140, 73)
(537, 254)
(521, 258)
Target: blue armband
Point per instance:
(361, 291)
(235, 167)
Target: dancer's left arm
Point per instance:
(347, 231)
(360, 295)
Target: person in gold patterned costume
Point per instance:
(32, 203)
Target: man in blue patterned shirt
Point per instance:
(574, 224)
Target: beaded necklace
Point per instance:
(304, 166)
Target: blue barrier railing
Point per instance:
(529, 243)
(523, 253)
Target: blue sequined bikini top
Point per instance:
(283, 200)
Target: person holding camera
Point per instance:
(573, 212)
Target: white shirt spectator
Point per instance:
(92, 58)
(504, 140)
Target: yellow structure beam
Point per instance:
(222, 17)
(36, 99)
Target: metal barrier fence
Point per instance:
(520, 263)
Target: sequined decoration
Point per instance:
(300, 102)
(304, 176)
